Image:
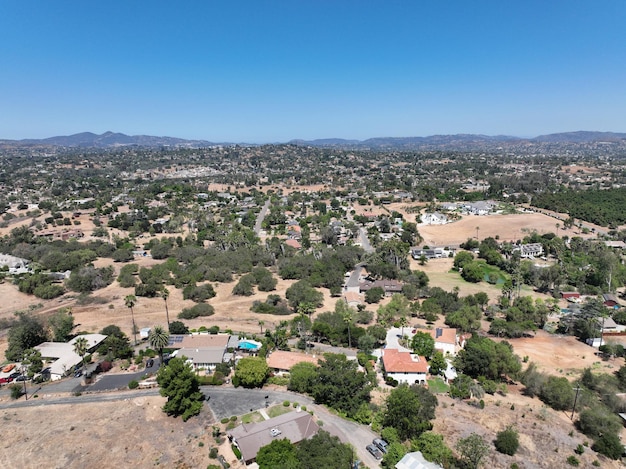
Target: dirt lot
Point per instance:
(544, 434)
(130, 433)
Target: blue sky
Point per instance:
(270, 71)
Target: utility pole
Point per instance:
(575, 400)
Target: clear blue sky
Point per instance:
(269, 71)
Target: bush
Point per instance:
(225, 420)
(16, 391)
(236, 451)
(609, 445)
(196, 311)
(573, 461)
(507, 441)
(213, 454)
(133, 384)
(286, 403)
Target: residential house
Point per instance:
(203, 351)
(570, 295)
(389, 286)
(416, 460)
(427, 253)
(610, 300)
(281, 361)
(404, 367)
(63, 356)
(529, 251)
(251, 437)
(434, 218)
(446, 340)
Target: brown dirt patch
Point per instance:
(128, 433)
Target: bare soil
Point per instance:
(130, 433)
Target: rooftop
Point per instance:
(403, 362)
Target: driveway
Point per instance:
(393, 336)
(111, 382)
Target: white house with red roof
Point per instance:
(446, 340)
(404, 367)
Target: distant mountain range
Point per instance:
(458, 141)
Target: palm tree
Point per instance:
(159, 338)
(130, 301)
(557, 229)
(477, 228)
(261, 324)
(80, 347)
(347, 318)
(165, 294)
(403, 323)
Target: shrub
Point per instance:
(609, 445)
(236, 451)
(195, 311)
(16, 391)
(286, 403)
(580, 449)
(507, 441)
(225, 420)
(573, 461)
(133, 384)
(213, 454)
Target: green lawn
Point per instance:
(277, 410)
(252, 417)
(437, 386)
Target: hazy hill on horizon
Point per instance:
(458, 141)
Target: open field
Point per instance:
(544, 434)
(130, 433)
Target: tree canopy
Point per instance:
(179, 384)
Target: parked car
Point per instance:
(78, 373)
(22, 378)
(8, 368)
(381, 444)
(150, 363)
(14, 374)
(374, 451)
(6, 380)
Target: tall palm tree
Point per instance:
(403, 323)
(261, 324)
(347, 318)
(80, 347)
(159, 338)
(165, 294)
(130, 301)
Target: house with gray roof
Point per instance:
(251, 437)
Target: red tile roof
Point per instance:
(403, 362)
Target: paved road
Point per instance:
(260, 217)
(365, 242)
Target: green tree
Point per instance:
(507, 441)
(279, 454)
(423, 344)
(367, 344)
(116, 345)
(395, 452)
(433, 448)
(61, 323)
(27, 332)
(485, 357)
(251, 372)
(340, 385)
(303, 292)
(462, 258)
(179, 384)
(130, 301)
(409, 409)
(610, 445)
(81, 347)
(32, 361)
(178, 327)
(472, 272)
(473, 449)
(158, 338)
(324, 450)
(557, 393)
(374, 295)
(302, 377)
(437, 363)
